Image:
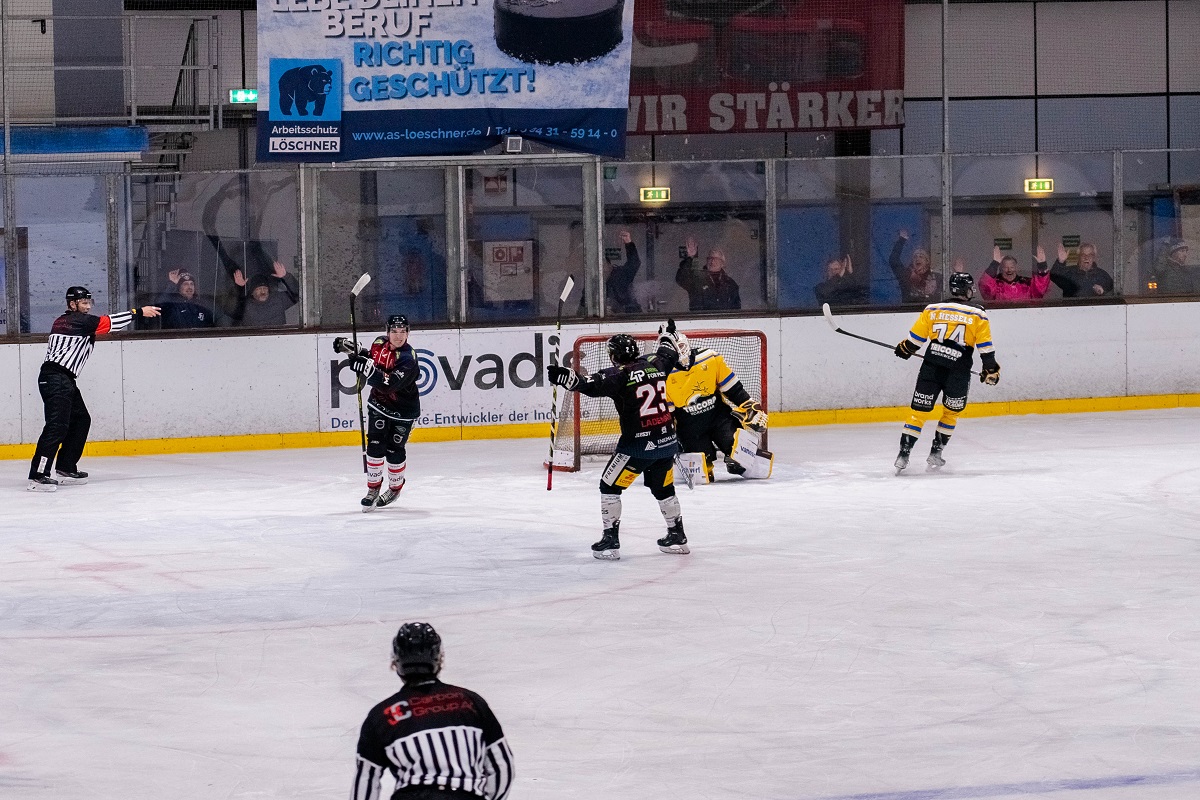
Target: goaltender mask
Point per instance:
(713, 411)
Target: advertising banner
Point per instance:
(734, 66)
(472, 377)
(354, 79)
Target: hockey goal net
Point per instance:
(588, 426)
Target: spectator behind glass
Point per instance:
(709, 287)
(1084, 280)
(1000, 283)
(1172, 273)
(264, 301)
(918, 282)
(841, 287)
(179, 308)
(619, 284)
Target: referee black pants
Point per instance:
(67, 423)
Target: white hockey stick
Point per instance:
(562, 298)
(359, 285)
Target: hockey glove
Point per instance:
(363, 366)
(751, 415)
(563, 377)
(343, 345)
(906, 349)
(990, 375)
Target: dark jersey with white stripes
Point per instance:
(639, 391)
(394, 391)
(433, 734)
(73, 336)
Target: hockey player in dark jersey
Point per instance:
(390, 367)
(637, 385)
(72, 338)
(440, 742)
(953, 329)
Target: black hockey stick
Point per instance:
(829, 318)
(359, 285)
(562, 298)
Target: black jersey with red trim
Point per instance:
(73, 335)
(394, 391)
(433, 734)
(639, 392)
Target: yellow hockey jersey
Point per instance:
(694, 390)
(953, 331)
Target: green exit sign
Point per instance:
(243, 95)
(655, 194)
(1039, 185)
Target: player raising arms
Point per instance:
(713, 411)
(391, 369)
(637, 385)
(954, 329)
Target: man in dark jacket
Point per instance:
(264, 300)
(619, 284)
(709, 287)
(180, 309)
(840, 287)
(1173, 275)
(1084, 280)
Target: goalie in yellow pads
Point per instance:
(713, 411)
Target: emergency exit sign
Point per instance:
(655, 194)
(1039, 185)
(243, 95)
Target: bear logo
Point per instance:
(303, 85)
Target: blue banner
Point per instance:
(341, 80)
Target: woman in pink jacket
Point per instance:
(1000, 282)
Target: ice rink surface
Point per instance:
(1025, 623)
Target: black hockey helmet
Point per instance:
(397, 321)
(623, 349)
(417, 649)
(962, 284)
(78, 293)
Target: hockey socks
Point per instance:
(395, 484)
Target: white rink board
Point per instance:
(148, 388)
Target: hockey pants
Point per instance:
(67, 424)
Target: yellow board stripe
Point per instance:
(529, 430)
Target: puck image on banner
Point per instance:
(558, 31)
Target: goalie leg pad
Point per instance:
(695, 465)
(757, 462)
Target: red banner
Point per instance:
(718, 66)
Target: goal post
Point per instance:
(589, 426)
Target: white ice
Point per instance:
(1023, 624)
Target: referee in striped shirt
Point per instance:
(72, 338)
(440, 742)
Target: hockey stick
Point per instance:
(359, 285)
(829, 318)
(687, 476)
(562, 298)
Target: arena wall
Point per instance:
(253, 392)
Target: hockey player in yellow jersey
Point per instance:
(713, 411)
(953, 330)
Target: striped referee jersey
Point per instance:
(433, 734)
(73, 336)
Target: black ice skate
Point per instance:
(368, 502)
(66, 477)
(43, 483)
(906, 445)
(675, 541)
(935, 460)
(734, 467)
(388, 495)
(609, 546)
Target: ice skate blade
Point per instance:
(65, 481)
(607, 555)
(34, 486)
(675, 549)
